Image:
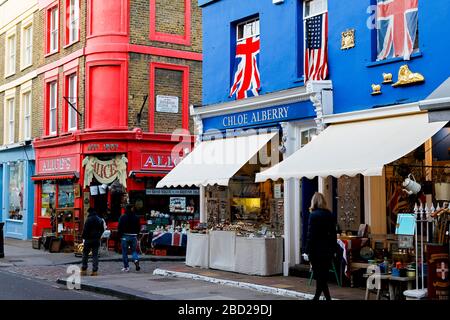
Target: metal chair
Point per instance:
(333, 269)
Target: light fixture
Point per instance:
(411, 185)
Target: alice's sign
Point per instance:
(105, 171)
(158, 161)
(58, 164)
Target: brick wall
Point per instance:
(169, 19)
(167, 83)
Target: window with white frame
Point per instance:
(27, 46)
(315, 7)
(72, 92)
(26, 105)
(247, 29)
(52, 107)
(74, 20)
(11, 126)
(307, 136)
(11, 54)
(54, 31)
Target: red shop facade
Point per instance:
(106, 170)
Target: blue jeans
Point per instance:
(129, 241)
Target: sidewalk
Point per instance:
(163, 278)
(21, 253)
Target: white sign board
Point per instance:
(167, 104)
(277, 191)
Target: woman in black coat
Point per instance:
(321, 243)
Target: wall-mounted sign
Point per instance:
(103, 147)
(167, 104)
(158, 161)
(105, 171)
(348, 39)
(184, 192)
(57, 164)
(255, 118)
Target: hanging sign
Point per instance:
(105, 171)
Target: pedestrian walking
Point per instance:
(321, 243)
(128, 231)
(92, 232)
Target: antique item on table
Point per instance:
(348, 39)
(387, 77)
(376, 89)
(405, 242)
(406, 76)
(366, 253)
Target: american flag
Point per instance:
(316, 52)
(246, 77)
(397, 22)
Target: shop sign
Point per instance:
(185, 192)
(260, 116)
(103, 147)
(55, 165)
(158, 161)
(167, 104)
(105, 171)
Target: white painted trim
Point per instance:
(20, 18)
(391, 111)
(29, 76)
(236, 284)
(280, 97)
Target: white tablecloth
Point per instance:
(197, 251)
(222, 250)
(259, 256)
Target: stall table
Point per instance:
(197, 252)
(255, 256)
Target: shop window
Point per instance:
(72, 31)
(16, 190)
(52, 29)
(307, 136)
(48, 200)
(66, 197)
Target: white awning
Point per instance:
(356, 147)
(216, 161)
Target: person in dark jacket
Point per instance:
(321, 243)
(92, 232)
(128, 231)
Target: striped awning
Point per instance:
(62, 176)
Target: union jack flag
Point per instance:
(316, 51)
(246, 77)
(397, 23)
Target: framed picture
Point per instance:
(77, 191)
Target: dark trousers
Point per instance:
(88, 246)
(321, 268)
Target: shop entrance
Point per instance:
(107, 200)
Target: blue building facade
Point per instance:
(17, 191)
(352, 91)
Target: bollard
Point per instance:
(2, 248)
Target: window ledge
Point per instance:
(25, 67)
(392, 60)
(7, 75)
(48, 136)
(51, 53)
(71, 44)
